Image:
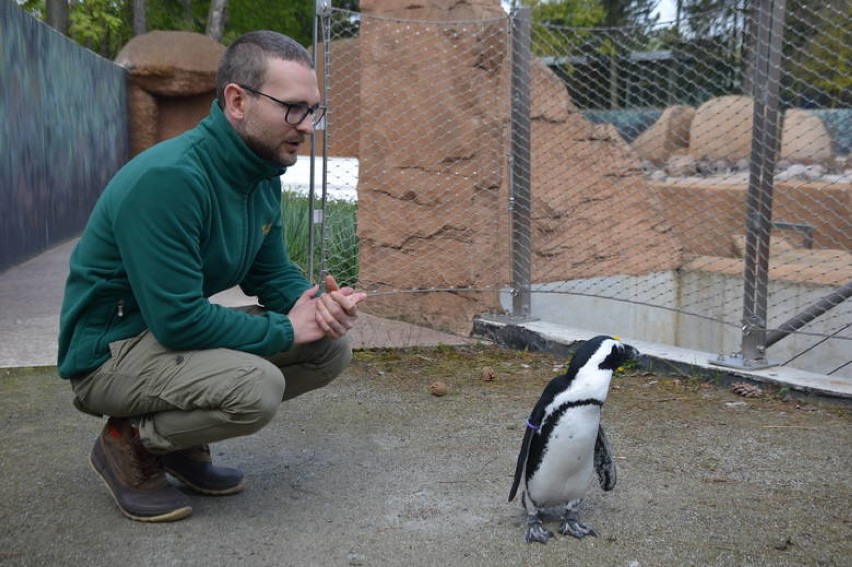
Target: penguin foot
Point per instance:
(573, 527)
(537, 532)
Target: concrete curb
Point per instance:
(539, 336)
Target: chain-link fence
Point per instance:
(685, 183)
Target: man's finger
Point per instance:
(331, 283)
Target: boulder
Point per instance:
(805, 139)
(172, 63)
(171, 83)
(666, 136)
(721, 129)
(681, 166)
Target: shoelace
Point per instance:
(147, 466)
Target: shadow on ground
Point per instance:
(374, 470)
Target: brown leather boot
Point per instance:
(194, 467)
(135, 477)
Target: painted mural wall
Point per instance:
(63, 133)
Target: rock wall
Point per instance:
(705, 214)
(432, 163)
(591, 207)
(432, 189)
(344, 98)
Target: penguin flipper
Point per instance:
(604, 463)
(522, 461)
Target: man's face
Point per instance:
(263, 127)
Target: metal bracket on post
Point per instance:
(753, 355)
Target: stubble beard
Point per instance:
(264, 150)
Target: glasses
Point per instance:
(295, 112)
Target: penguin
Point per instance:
(564, 442)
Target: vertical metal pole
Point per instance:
(520, 174)
(326, 67)
(764, 150)
(311, 193)
(322, 17)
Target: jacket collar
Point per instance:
(238, 164)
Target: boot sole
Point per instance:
(209, 491)
(172, 516)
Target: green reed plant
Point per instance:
(341, 238)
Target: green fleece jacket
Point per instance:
(184, 220)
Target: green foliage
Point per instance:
(293, 18)
(629, 13)
(568, 13)
(547, 17)
(106, 25)
(342, 241)
(94, 22)
(820, 50)
(174, 15)
(36, 8)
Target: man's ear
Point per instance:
(235, 101)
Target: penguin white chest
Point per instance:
(567, 462)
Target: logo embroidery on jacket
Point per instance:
(266, 228)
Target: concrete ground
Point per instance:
(373, 470)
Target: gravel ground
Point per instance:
(374, 470)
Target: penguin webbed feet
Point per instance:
(536, 531)
(572, 526)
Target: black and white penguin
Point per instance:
(564, 443)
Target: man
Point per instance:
(190, 217)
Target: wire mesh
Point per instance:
(429, 135)
(641, 161)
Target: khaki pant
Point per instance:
(185, 398)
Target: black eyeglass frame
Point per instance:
(316, 112)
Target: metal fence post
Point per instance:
(321, 32)
(764, 151)
(520, 165)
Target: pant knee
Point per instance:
(256, 398)
(336, 357)
(323, 361)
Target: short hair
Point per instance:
(244, 61)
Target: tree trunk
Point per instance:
(187, 13)
(749, 48)
(57, 15)
(140, 22)
(216, 19)
(613, 83)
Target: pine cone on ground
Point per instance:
(488, 374)
(747, 390)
